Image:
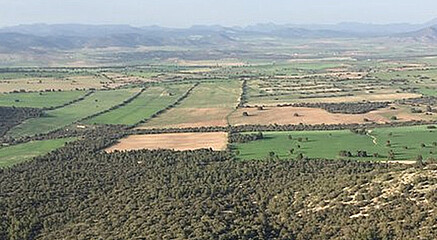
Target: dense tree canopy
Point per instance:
(80, 192)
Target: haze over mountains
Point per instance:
(71, 36)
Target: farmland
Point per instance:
(39, 99)
(304, 115)
(175, 141)
(209, 104)
(60, 81)
(148, 103)
(349, 85)
(406, 143)
(58, 118)
(26, 151)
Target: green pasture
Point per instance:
(405, 142)
(25, 151)
(39, 99)
(144, 106)
(58, 118)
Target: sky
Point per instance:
(185, 13)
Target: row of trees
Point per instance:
(244, 138)
(357, 128)
(346, 108)
(177, 102)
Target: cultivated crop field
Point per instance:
(58, 118)
(209, 104)
(39, 99)
(175, 141)
(26, 151)
(148, 103)
(305, 115)
(405, 142)
(52, 83)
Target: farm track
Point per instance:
(373, 137)
(241, 101)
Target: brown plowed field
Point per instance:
(176, 141)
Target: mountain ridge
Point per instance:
(71, 36)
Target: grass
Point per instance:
(209, 104)
(143, 107)
(55, 119)
(223, 94)
(39, 99)
(26, 151)
(328, 144)
(428, 91)
(44, 83)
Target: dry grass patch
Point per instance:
(175, 141)
(363, 97)
(312, 116)
(40, 84)
(210, 63)
(189, 117)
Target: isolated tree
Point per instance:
(419, 161)
(388, 143)
(300, 157)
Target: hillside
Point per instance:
(428, 34)
(207, 195)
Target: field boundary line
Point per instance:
(242, 100)
(170, 106)
(281, 128)
(81, 98)
(125, 102)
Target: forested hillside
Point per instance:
(79, 192)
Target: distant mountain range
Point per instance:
(428, 34)
(71, 36)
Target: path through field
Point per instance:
(373, 137)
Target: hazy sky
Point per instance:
(183, 13)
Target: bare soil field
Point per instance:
(189, 117)
(285, 115)
(176, 141)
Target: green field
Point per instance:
(208, 104)
(39, 99)
(144, 106)
(26, 151)
(328, 144)
(221, 94)
(55, 119)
